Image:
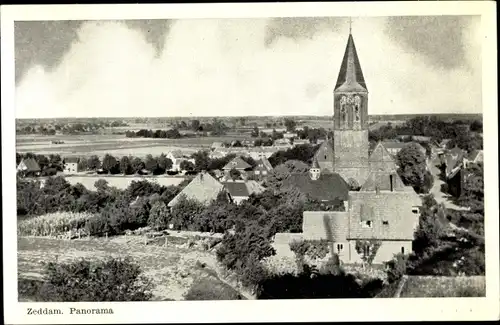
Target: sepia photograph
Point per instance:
(297, 157)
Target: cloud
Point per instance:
(226, 67)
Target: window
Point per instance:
(402, 250)
(414, 210)
(385, 222)
(367, 224)
(325, 156)
(340, 247)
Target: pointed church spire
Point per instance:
(350, 74)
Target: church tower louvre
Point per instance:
(350, 98)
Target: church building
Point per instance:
(381, 213)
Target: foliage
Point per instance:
(396, 267)
(282, 172)
(114, 279)
(110, 164)
(210, 288)
(186, 165)
(413, 168)
(367, 249)
(303, 152)
(52, 224)
(159, 216)
(234, 174)
(184, 213)
(313, 249)
(290, 124)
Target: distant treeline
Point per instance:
(466, 134)
(66, 128)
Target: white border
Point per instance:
(257, 311)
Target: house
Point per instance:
(240, 190)
(177, 158)
(71, 165)
(237, 163)
(263, 167)
(216, 145)
(281, 142)
(325, 156)
(203, 188)
(289, 135)
(474, 157)
(453, 163)
(298, 142)
(421, 138)
(28, 167)
(394, 147)
(248, 143)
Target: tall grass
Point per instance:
(443, 286)
(53, 224)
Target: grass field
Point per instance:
(121, 182)
(117, 145)
(172, 269)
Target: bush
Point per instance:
(159, 216)
(396, 268)
(53, 224)
(210, 288)
(114, 279)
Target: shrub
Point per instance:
(53, 224)
(210, 288)
(396, 268)
(114, 279)
(97, 226)
(159, 216)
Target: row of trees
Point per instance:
(67, 128)
(162, 134)
(216, 127)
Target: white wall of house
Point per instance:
(385, 252)
(70, 168)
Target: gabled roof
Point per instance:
(350, 75)
(328, 187)
(237, 163)
(177, 154)
(394, 144)
(69, 160)
(393, 207)
(29, 165)
(263, 164)
(382, 180)
(217, 145)
(325, 154)
(475, 155)
(380, 153)
(203, 188)
(242, 188)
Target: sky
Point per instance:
(243, 67)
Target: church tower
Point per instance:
(350, 118)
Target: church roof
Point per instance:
(315, 164)
(350, 75)
(328, 187)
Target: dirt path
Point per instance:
(436, 188)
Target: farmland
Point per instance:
(116, 145)
(172, 269)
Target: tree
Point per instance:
(137, 165)
(290, 124)
(201, 160)
(101, 185)
(164, 163)
(159, 216)
(109, 163)
(412, 166)
(151, 163)
(125, 166)
(243, 121)
(281, 172)
(234, 174)
(186, 165)
(195, 125)
(255, 132)
(367, 249)
(93, 163)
